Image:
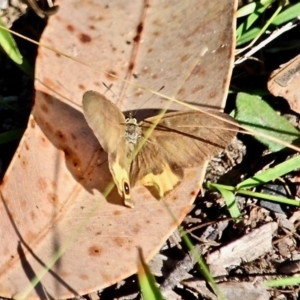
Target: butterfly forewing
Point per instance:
(108, 124)
(105, 119)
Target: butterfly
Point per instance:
(155, 151)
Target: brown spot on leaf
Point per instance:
(119, 241)
(175, 198)
(187, 43)
(43, 141)
(182, 91)
(92, 27)
(145, 70)
(212, 95)
(70, 28)
(95, 251)
(42, 184)
(154, 76)
(23, 204)
(24, 162)
(156, 33)
(194, 193)
(75, 163)
(117, 212)
(185, 57)
(6, 251)
(44, 108)
(106, 277)
(64, 274)
(150, 50)
(84, 38)
(139, 30)
(54, 184)
(26, 146)
(138, 93)
(52, 198)
(136, 229)
(197, 88)
(47, 97)
(111, 75)
(81, 86)
(32, 123)
(157, 22)
(29, 236)
(60, 135)
(32, 215)
(131, 66)
(83, 277)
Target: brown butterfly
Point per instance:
(154, 151)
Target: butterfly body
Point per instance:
(133, 134)
(154, 152)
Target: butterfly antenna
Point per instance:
(108, 88)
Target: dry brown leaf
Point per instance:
(285, 82)
(52, 211)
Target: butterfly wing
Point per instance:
(105, 119)
(180, 140)
(107, 123)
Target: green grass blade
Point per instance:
(271, 174)
(252, 7)
(10, 136)
(254, 15)
(229, 198)
(147, 282)
(248, 36)
(287, 15)
(284, 281)
(9, 45)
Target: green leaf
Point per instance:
(256, 114)
(9, 45)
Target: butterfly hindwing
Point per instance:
(179, 140)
